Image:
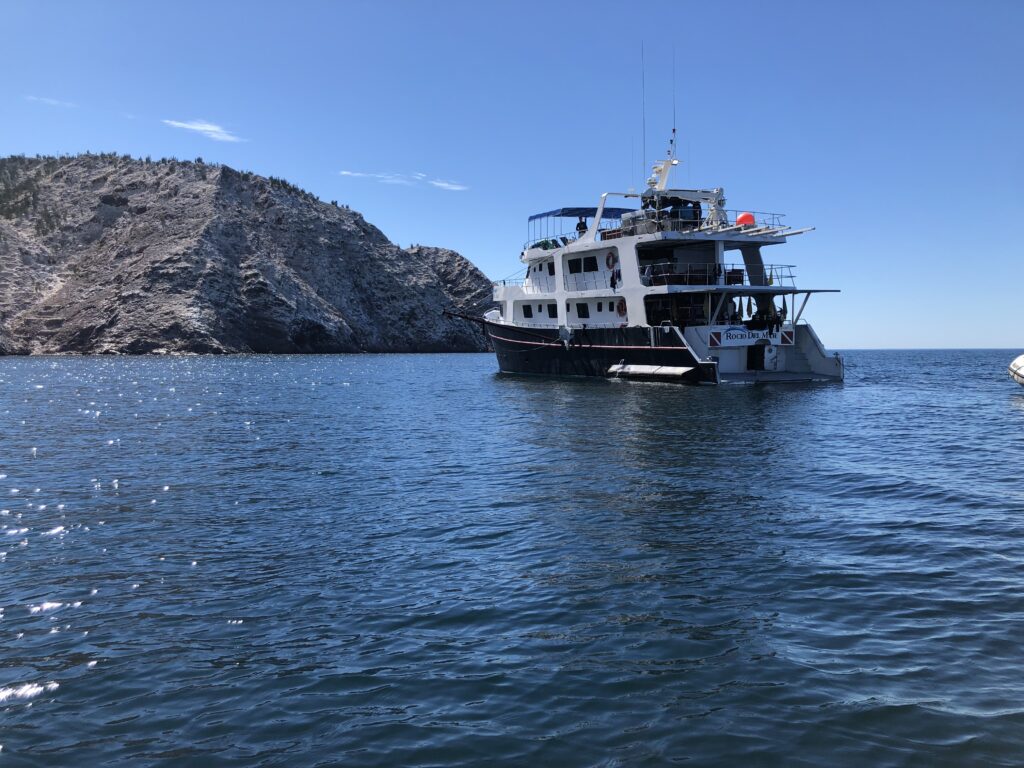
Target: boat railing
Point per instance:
(676, 273)
(562, 240)
(553, 325)
(653, 220)
(553, 233)
(521, 324)
(529, 285)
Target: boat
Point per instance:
(671, 286)
(1017, 370)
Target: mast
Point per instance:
(660, 171)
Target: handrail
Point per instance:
(665, 273)
(575, 324)
(720, 219)
(676, 273)
(529, 285)
(562, 239)
(650, 220)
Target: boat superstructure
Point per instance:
(674, 288)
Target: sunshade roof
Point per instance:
(609, 213)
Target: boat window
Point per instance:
(583, 310)
(540, 308)
(600, 306)
(527, 310)
(552, 310)
(575, 266)
(551, 268)
(590, 263)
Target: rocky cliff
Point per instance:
(109, 254)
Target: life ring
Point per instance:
(621, 307)
(611, 260)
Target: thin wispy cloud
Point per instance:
(451, 186)
(51, 102)
(406, 179)
(383, 178)
(207, 129)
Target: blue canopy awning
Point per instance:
(588, 213)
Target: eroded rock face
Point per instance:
(107, 254)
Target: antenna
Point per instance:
(643, 103)
(672, 143)
(632, 163)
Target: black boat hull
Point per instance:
(593, 351)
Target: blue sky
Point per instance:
(895, 128)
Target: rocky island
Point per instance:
(114, 255)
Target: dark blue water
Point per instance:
(410, 560)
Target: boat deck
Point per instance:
(771, 377)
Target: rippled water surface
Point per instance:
(411, 560)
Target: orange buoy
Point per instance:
(745, 219)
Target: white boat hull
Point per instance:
(1017, 370)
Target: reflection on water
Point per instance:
(412, 560)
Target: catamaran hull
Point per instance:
(630, 352)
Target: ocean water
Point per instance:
(415, 561)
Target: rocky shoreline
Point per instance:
(107, 254)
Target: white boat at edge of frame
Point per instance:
(1016, 370)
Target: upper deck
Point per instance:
(663, 213)
(677, 214)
